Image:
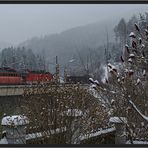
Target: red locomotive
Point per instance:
(34, 77)
(10, 76)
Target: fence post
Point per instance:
(15, 128)
(73, 130)
(120, 125)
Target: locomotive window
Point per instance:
(11, 74)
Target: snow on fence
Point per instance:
(98, 133)
(137, 142)
(63, 129)
(120, 126)
(45, 133)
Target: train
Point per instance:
(78, 79)
(9, 76)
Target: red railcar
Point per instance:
(9, 76)
(38, 76)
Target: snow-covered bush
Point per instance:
(128, 87)
(53, 106)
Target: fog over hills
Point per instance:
(66, 43)
(63, 30)
(4, 45)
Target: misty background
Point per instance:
(22, 22)
(31, 35)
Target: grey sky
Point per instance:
(21, 22)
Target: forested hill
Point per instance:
(84, 45)
(21, 58)
(66, 44)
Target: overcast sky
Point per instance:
(21, 22)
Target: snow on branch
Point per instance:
(134, 106)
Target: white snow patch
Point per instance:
(142, 46)
(72, 60)
(118, 120)
(132, 34)
(129, 60)
(15, 120)
(96, 82)
(91, 80)
(126, 46)
(61, 80)
(112, 101)
(3, 141)
(109, 65)
(126, 70)
(137, 142)
(144, 72)
(138, 81)
(131, 55)
(113, 92)
(93, 86)
(105, 74)
(72, 112)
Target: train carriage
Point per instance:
(10, 76)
